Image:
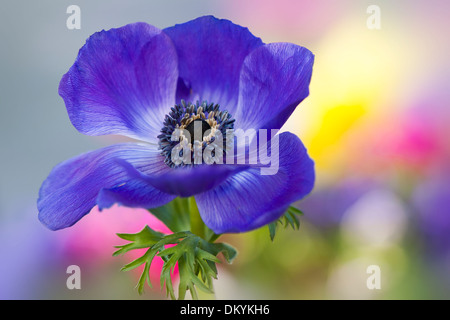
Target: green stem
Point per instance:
(197, 225)
(214, 237)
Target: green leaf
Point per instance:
(295, 210)
(195, 257)
(145, 276)
(143, 239)
(291, 220)
(189, 280)
(272, 229)
(288, 219)
(229, 253)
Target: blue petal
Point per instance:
(274, 79)
(186, 182)
(71, 189)
(211, 52)
(249, 200)
(135, 193)
(122, 82)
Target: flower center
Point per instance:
(195, 133)
(200, 123)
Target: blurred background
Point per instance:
(376, 124)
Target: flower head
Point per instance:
(183, 92)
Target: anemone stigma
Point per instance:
(191, 129)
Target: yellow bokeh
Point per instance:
(354, 74)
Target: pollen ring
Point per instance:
(194, 128)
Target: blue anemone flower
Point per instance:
(143, 82)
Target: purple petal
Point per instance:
(273, 81)
(122, 82)
(71, 189)
(186, 182)
(135, 193)
(211, 52)
(249, 200)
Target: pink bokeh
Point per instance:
(91, 242)
(413, 138)
(294, 19)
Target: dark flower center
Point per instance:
(191, 129)
(200, 123)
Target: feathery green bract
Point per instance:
(196, 259)
(288, 219)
